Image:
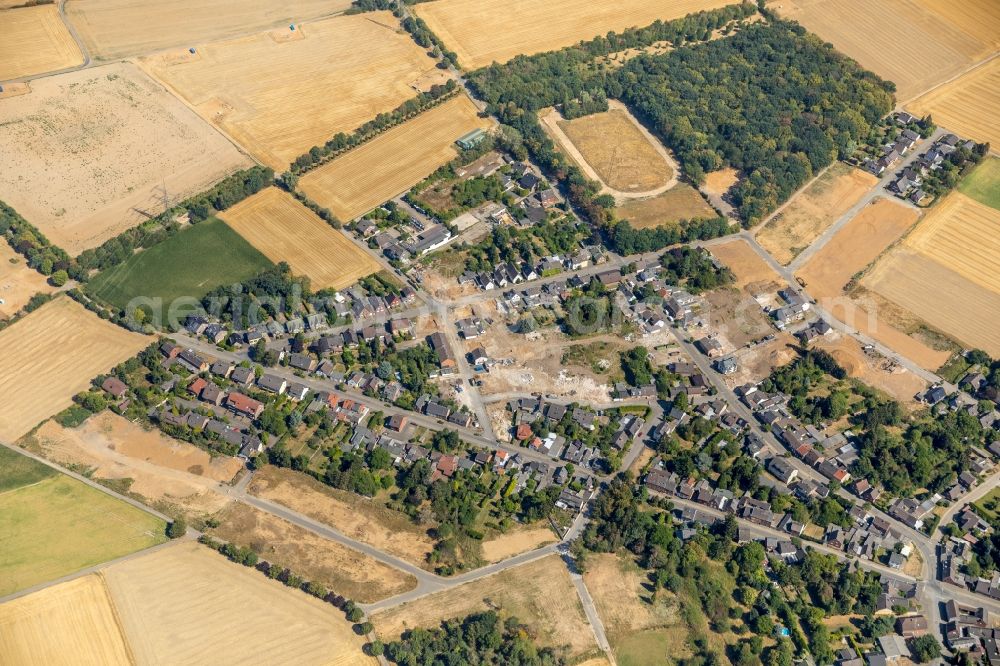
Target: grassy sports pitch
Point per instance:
(190, 264)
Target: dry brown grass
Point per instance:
(70, 623)
(224, 613)
(285, 230)
(749, 269)
(812, 211)
(905, 41)
(968, 105)
(719, 182)
(85, 152)
(18, 283)
(338, 568)
(623, 597)
(681, 202)
(358, 518)
(34, 40)
(393, 162)
(119, 28)
(279, 98)
(484, 31)
(539, 594)
(50, 356)
(517, 541)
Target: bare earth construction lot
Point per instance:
(280, 96)
(285, 230)
(50, 356)
(33, 40)
(118, 28)
(85, 151)
(393, 162)
(484, 31)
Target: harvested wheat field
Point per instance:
(540, 594)
(50, 356)
(279, 98)
(872, 369)
(486, 31)
(813, 210)
(393, 162)
(909, 42)
(613, 148)
(968, 105)
(624, 604)
(285, 230)
(70, 623)
(748, 267)
(338, 568)
(225, 612)
(18, 283)
(517, 541)
(86, 153)
(118, 28)
(34, 40)
(359, 518)
(681, 202)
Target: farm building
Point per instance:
(471, 139)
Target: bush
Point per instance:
(177, 528)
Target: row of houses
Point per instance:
(908, 182)
(509, 274)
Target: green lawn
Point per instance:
(651, 647)
(18, 470)
(57, 525)
(191, 263)
(983, 184)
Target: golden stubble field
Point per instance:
(34, 40)
(393, 162)
(916, 44)
(813, 210)
(280, 93)
(285, 230)
(118, 28)
(18, 283)
(87, 153)
(50, 356)
(484, 31)
(539, 594)
(968, 105)
(188, 605)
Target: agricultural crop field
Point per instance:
(812, 211)
(916, 44)
(539, 594)
(69, 623)
(681, 202)
(968, 105)
(226, 613)
(191, 263)
(393, 162)
(119, 28)
(54, 525)
(51, 355)
(285, 230)
(484, 31)
(87, 153)
(280, 93)
(983, 184)
(34, 40)
(18, 283)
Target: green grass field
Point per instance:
(53, 525)
(983, 184)
(189, 264)
(650, 647)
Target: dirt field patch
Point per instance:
(484, 31)
(392, 163)
(18, 283)
(735, 317)
(338, 568)
(34, 40)
(87, 153)
(967, 105)
(351, 514)
(540, 594)
(274, 96)
(719, 182)
(119, 28)
(71, 623)
(515, 542)
(50, 356)
(872, 369)
(933, 50)
(285, 230)
(225, 612)
(812, 211)
(747, 266)
(681, 202)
